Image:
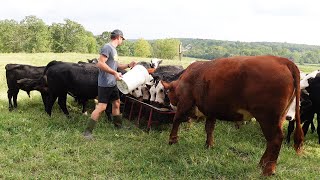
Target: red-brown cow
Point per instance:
(235, 88)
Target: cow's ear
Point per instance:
(166, 85)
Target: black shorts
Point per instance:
(108, 94)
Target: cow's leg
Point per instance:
(10, 94)
(306, 124)
(313, 128)
(272, 130)
(44, 97)
(62, 101)
(15, 96)
(210, 124)
(182, 112)
(318, 128)
(290, 130)
(50, 101)
(84, 104)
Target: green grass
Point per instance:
(35, 146)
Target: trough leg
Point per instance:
(150, 120)
(131, 109)
(139, 116)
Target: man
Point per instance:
(107, 89)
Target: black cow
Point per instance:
(309, 105)
(15, 72)
(77, 80)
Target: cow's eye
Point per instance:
(161, 90)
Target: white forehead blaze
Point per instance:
(304, 82)
(153, 93)
(160, 93)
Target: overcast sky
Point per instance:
(292, 21)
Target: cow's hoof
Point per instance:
(269, 171)
(208, 146)
(173, 140)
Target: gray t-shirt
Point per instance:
(105, 79)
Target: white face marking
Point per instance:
(304, 82)
(145, 92)
(302, 75)
(292, 110)
(152, 93)
(137, 92)
(155, 62)
(149, 80)
(160, 95)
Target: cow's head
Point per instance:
(170, 90)
(305, 106)
(152, 91)
(155, 62)
(137, 93)
(32, 84)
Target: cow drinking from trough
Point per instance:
(235, 88)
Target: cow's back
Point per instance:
(76, 79)
(222, 87)
(15, 72)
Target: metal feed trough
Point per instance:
(152, 109)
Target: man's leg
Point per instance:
(100, 107)
(117, 117)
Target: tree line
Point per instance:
(32, 35)
(212, 49)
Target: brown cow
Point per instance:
(237, 88)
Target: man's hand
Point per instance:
(118, 76)
(132, 64)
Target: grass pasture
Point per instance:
(36, 146)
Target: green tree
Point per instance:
(103, 38)
(57, 38)
(35, 34)
(72, 37)
(166, 48)
(126, 48)
(91, 43)
(142, 48)
(75, 37)
(10, 36)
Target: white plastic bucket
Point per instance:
(132, 79)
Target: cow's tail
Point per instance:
(298, 134)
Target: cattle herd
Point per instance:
(267, 88)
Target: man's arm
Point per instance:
(104, 67)
(125, 66)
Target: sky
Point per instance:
(291, 21)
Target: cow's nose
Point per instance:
(289, 118)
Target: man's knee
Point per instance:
(116, 104)
(100, 107)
